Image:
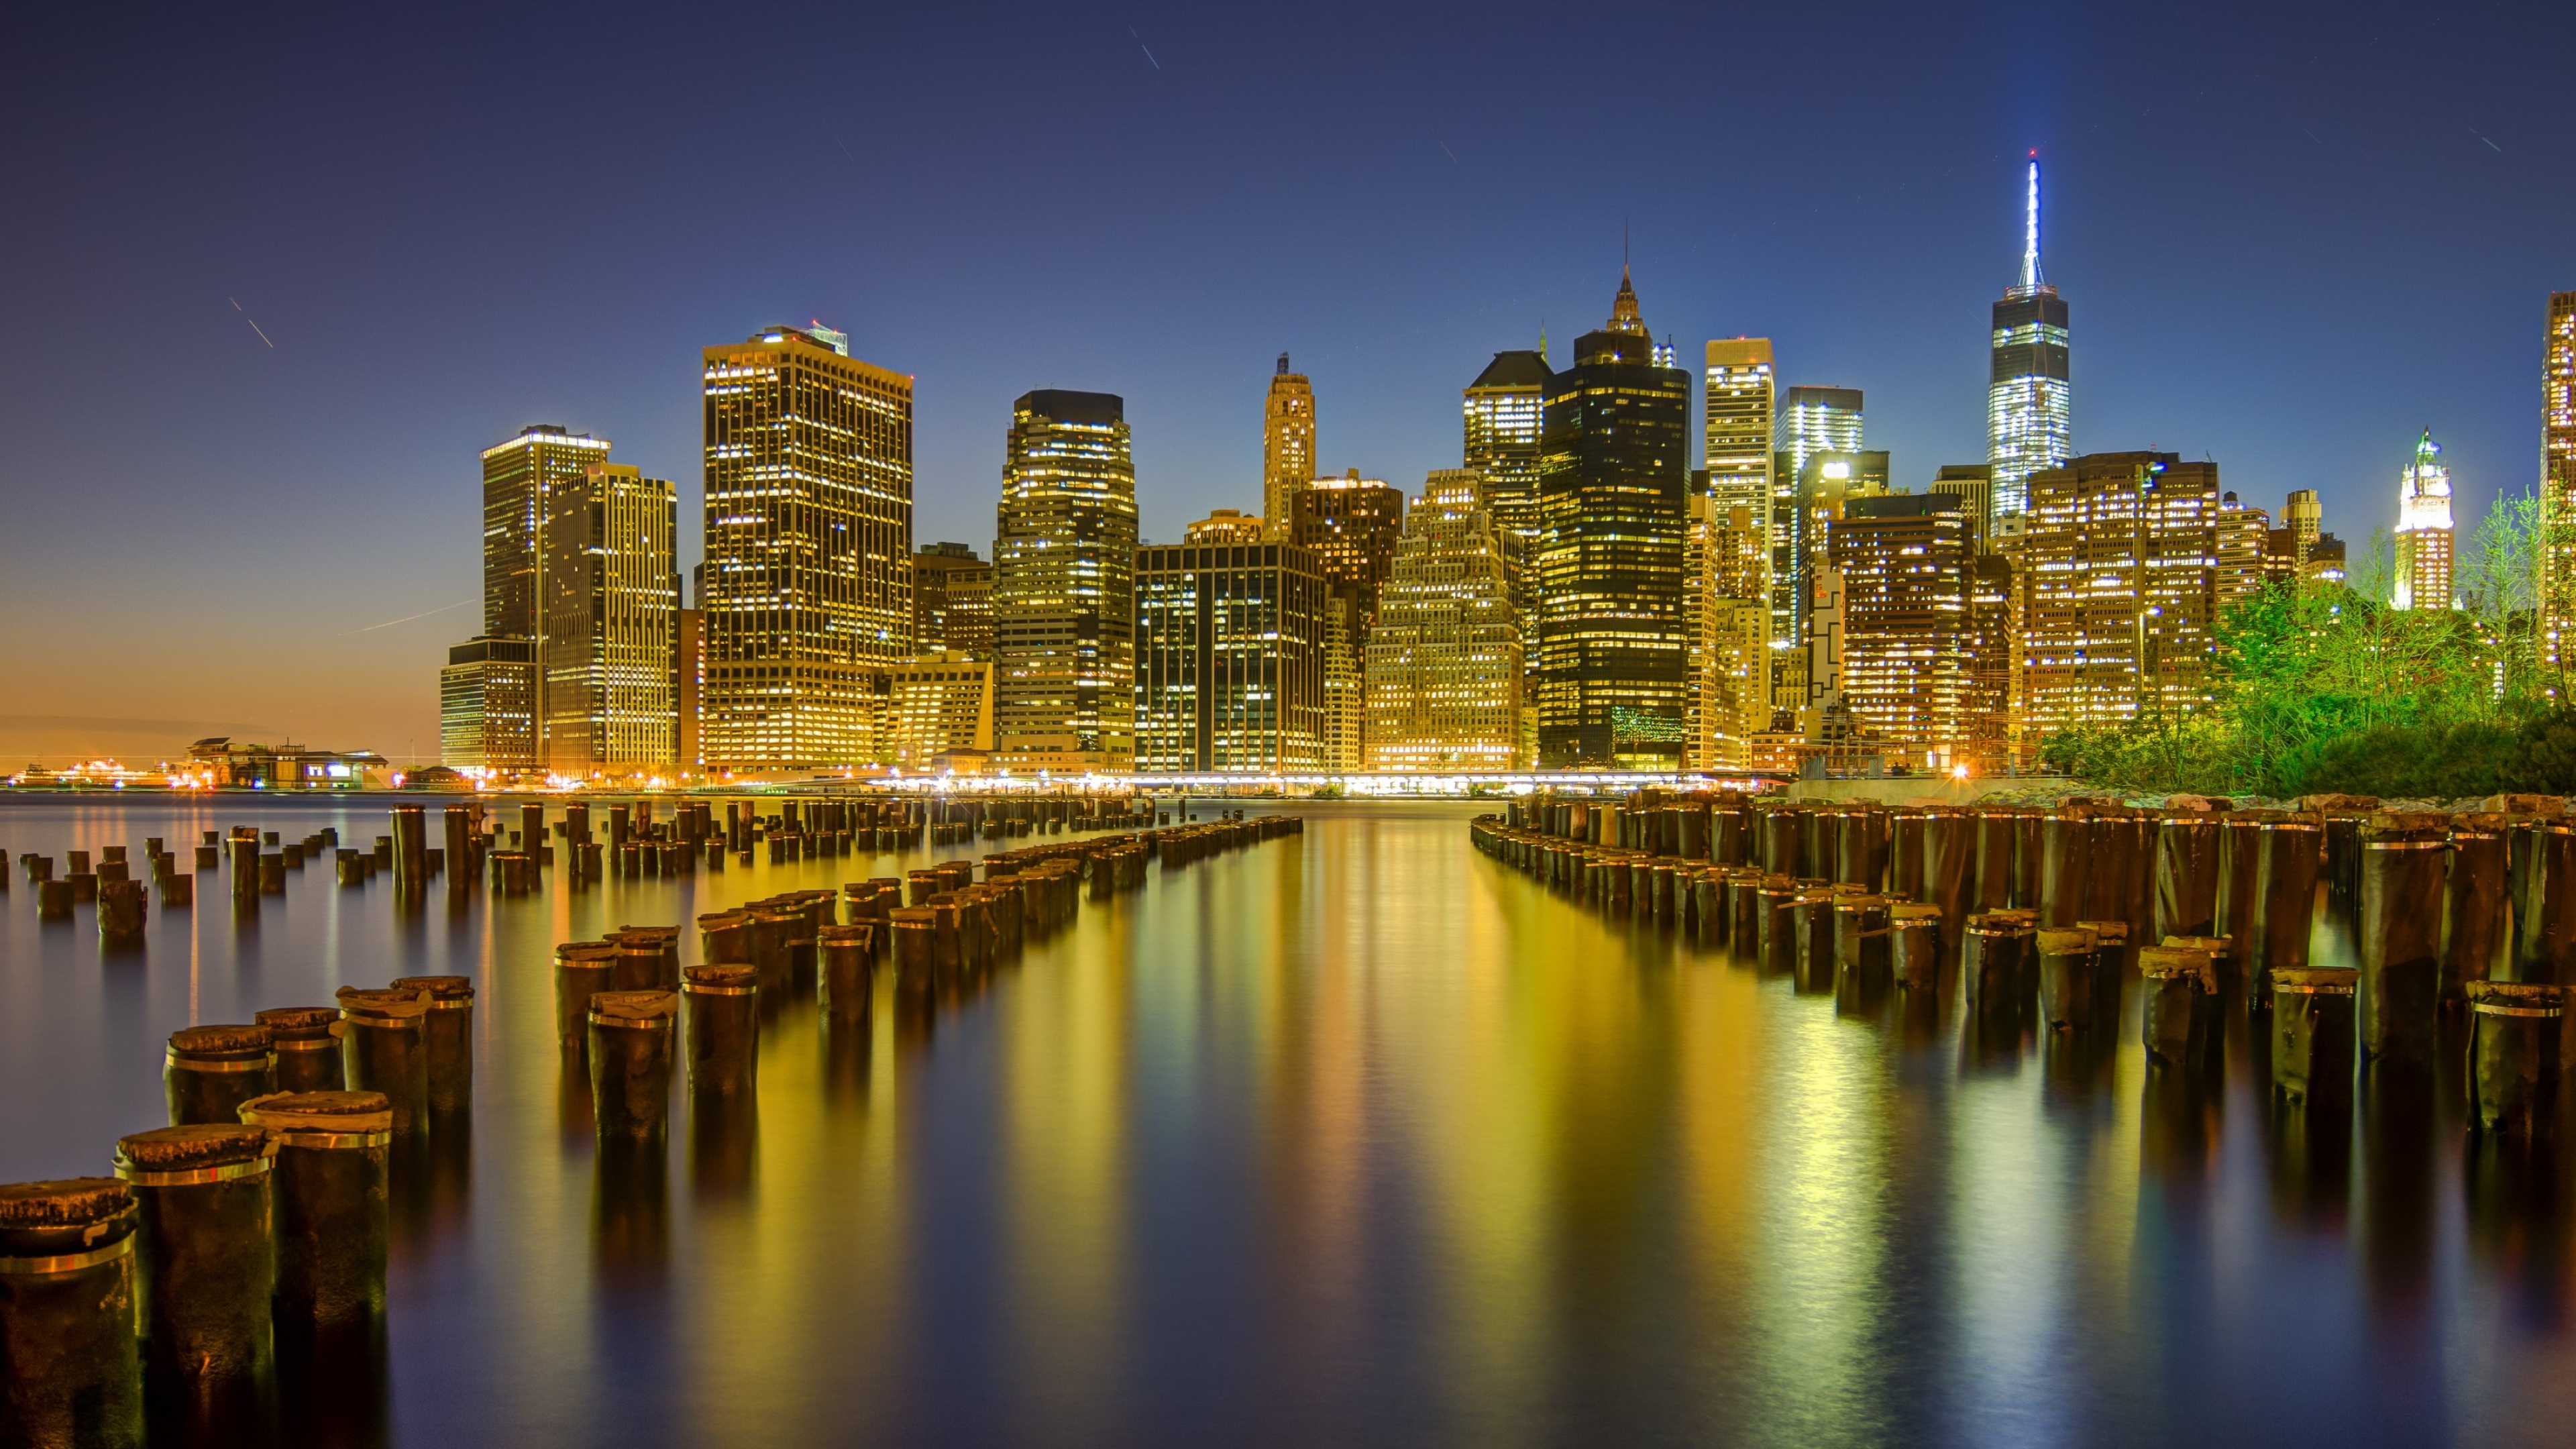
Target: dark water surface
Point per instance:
(1351, 1139)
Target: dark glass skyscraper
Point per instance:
(1613, 468)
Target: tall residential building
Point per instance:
(689, 687)
(1287, 441)
(610, 594)
(952, 601)
(2424, 545)
(519, 478)
(941, 708)
(2119, 583)
(1814, 420)
(1504, 408)
(1738, 428)
(487, 706)
(2557, 583)
(1350, 524)
(1229, 655)
(2028, 409)
(809, 550)
(1908, 669)
(1608, 565)
(1064, 586)
(1444, 672)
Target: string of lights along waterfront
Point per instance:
(1795, 602)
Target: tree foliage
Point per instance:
(2325, 687)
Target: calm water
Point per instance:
(1352, 1139)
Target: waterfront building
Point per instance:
(2424, 540)
(1505, 406)
(2118, 583)
(487, 706)
(1350, 524)
(1904, 568)
(1608, 562)
(1287, 442)
(1229, 636)
(610, 592)
(952, 601)
(2028, 406)
(940, 705)
(229, 764)
(809, 550)
(1064, 589)
(2557, 582)
(1444, 672)
(520, 477)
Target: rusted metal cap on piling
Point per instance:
(719, 980)
(45, 1227)
(446, 993)
(2316, 980)
(2068, 941)
(382, 1007)
(220, 1043)
(323, 1119)
(2516, 998)
(633, 1008)
(189, 1156)
(2162, 962)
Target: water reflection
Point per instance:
(1362, 1139)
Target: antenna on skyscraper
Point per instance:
(2030, 276)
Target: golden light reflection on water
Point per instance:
(1353, 1138)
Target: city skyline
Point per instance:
(1389, 319)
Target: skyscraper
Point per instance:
(1612, 477)
(610, 588)
(1504, 406)
(952, 601)
(1740, 402)
(487, 706)
(942, 710)
(1064, 558)
(2424, 552)
(2028, 411)
(1444, 671)
(1287, 442)
(1811, 420)
(2557, 585)
(519, 478)
(2243, 534)
(1350, 524)
(809, 550)
(2119, 583)
(1229, 655)
(1907, 667)
(1727, 612)
(2305, 517)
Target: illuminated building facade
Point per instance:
(1505, 407)
(940, 704)
(1726, 611)
(1810, 420)
(1825, 485)
(1064, 586)
(1906, 569)
(2118, 583)
(689, 674)
(610, 590)
(1350, 524)
(952, 601)
(1992, 715)
(1229, 655)
(487, 706)
(809, 550)
(1973, 484)
(1608, 564)
(2244, 532)
(2557, 583)
(2029, 412)
(2305, 517)
(1444, 671)
(2424, 539)
(1287, 442)
(520, 477)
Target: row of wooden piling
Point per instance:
(257, 1218)
(2417, 912)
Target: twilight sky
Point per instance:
(2289, 236)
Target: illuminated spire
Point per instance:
(2030, 277)
(1624, 316)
